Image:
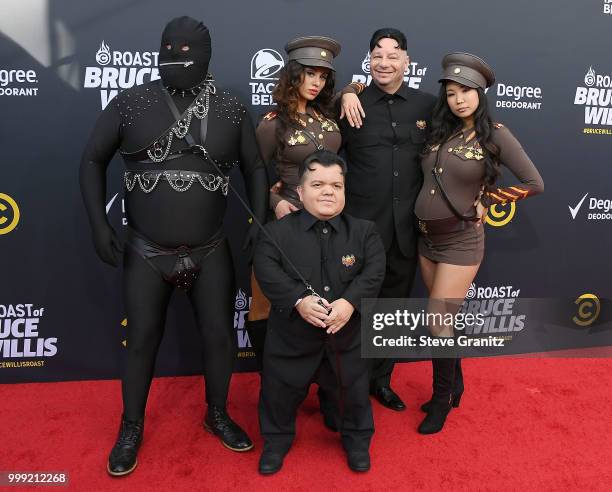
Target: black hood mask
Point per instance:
(181, 68)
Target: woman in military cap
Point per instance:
(302, 123)
(461, 164)
(304, 119)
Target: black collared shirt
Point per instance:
(340, 258)
(384, 175)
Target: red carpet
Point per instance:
(523, 424)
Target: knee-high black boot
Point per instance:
(457, 389)
(442, 399)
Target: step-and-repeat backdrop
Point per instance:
(61, 309)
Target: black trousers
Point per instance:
(286, 378)
(147, 296)
(399, 278)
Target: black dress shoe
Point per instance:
(270, 462)
(359, 462)
(388, 398)
(122, 460)
(218, 422)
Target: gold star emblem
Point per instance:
(323, 53)
(457, 70)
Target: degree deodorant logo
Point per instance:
(265, 65)
(509, 96)
(499, 215)
(18, 82)
(118, 70)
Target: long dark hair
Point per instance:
(286, 96)
(445, 124)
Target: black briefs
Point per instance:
(179, 266)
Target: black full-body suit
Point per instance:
(130, 124)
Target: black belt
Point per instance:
(442, 226)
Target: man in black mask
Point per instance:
(179, 138)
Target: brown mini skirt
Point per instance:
(464, 247)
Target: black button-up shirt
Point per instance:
(348, 259)
(384, 175)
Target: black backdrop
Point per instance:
(61, 309)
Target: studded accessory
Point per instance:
(195, 90)
(160, 148)
(179, 180)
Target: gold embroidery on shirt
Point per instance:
(298, 138)
(472, 151)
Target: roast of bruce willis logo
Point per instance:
(242, 305)
(496, 305)
(20, 335)
(118, 70)
(595, 94)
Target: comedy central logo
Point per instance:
(265, 66)
(596, 96)
(413, 75)
(588, 310)
(119, 70)
(9, 214)
(499, 215)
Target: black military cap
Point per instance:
(467, 69)
(313, 51)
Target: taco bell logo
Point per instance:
(265, 65)
(103, 55)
